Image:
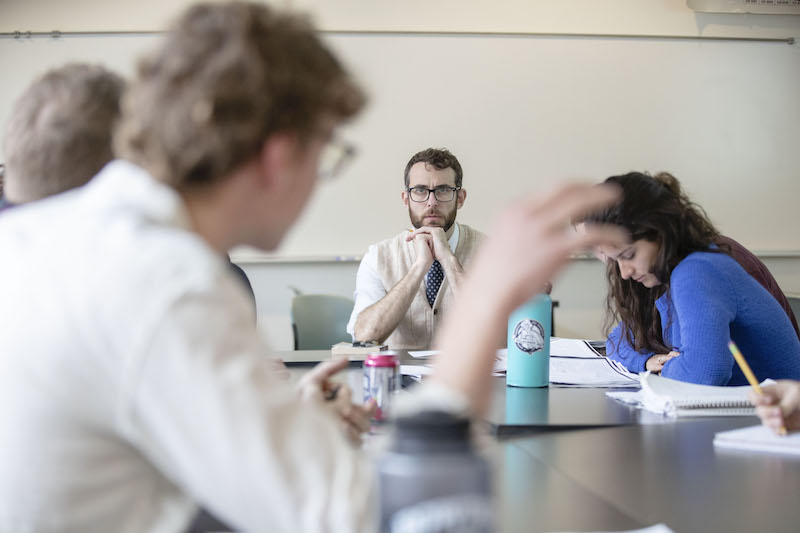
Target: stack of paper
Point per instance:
(560, 347)
(356, 351)
(580, 369)
(573, 363)
(597, 372)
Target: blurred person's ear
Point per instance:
(279, 154)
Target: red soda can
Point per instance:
(381, 381)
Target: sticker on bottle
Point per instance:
(529, 336)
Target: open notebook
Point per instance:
(676, 398)
(758, 439)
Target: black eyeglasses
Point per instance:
(442, 194)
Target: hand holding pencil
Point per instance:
(778, 405)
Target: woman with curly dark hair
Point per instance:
(680, 295)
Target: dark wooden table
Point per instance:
(571, 459)
(672, 473)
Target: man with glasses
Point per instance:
(405, 284)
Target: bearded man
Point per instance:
(406, 283)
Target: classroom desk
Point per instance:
(534, 497)
(515, 410)
(671, 473)
(596, 464)
(656, 470)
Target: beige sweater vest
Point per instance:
(395, 257)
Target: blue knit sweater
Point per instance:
(712, 300)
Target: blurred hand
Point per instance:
(779, 406)
(656, 363)
(532, 240)
(580, 227)
(316, 385)
(355, 418)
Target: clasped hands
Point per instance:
(430, 244)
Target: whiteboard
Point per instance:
(523, 112)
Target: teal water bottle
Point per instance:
(529, 330)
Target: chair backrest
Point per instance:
(320, 320)
(794, 303)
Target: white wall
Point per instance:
(526, 110)
(648, 17)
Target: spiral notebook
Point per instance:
(679, 399)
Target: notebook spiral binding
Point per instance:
(715, 404)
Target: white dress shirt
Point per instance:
(133, 382)
(369, 287)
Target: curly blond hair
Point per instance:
(226, 78)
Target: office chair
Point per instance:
(794, 303)
(320, 320)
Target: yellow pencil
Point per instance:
(751, 378)
(748, 373)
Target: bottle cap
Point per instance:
(381, 359)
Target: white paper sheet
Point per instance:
(597, 372)
(423, 353)
(633, 398)
(581, 366)
(658, 528)
(758, 439)
(581, 372)
(416, 371)
(561, 347)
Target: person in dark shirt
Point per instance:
(759, 271)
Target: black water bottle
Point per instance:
(432, 481)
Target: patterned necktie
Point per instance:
(435, 276)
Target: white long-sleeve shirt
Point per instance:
(134, 384)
